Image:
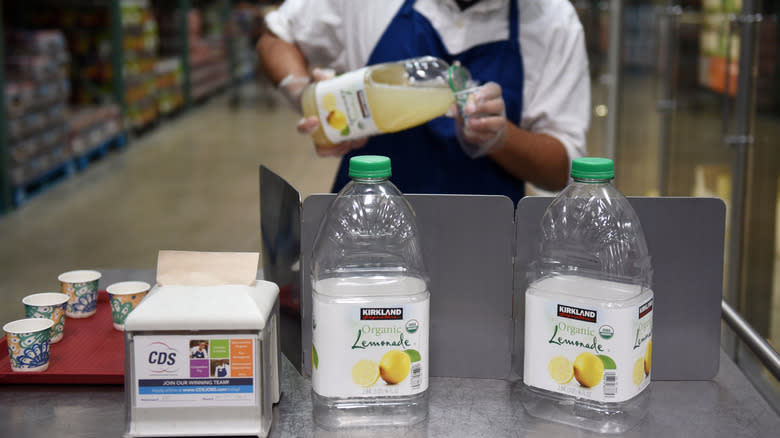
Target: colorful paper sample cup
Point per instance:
(48, 305)
(125, 297)
(82, 288)
(28, 343)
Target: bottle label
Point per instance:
(369, 349)
(343, 107)
(590, 352)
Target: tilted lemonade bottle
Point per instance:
(370, 306)
(382, 98)
(589, 308)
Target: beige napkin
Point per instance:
(191, 268)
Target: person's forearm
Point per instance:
(533, 157)
(280, 58)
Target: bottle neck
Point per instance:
(592, 180)
(369, 180)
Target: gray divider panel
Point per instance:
(280, 230)
(468, 243)
(685, 239)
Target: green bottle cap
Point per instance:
(369, 166)
(592, 168)
(458, 77)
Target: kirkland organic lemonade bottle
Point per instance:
(370, 306)
(382, 98)
(589, 308)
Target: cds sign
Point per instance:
(162, 358)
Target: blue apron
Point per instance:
(427, 158)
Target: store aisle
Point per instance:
(191, 184)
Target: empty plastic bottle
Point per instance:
(589, 308)
(370, 316)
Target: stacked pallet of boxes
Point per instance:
(170, 95)
(140, 42)
(247, 26)
(90, 72)
(86, 29)
(92, 129)
(36, 93)
(169, 31)
(208, 62)
(93, 119)
(209, 67)
(170, 83)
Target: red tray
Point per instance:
(92, 352)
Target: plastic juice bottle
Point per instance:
(589, 308)
(370, 306)
(382, 98)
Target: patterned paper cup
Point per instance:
(48, 305)
(82, 288)
(28, 344)
(125, 297)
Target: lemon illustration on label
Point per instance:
(337, 119)
(561, 370)
(329, 102)
(588, 369)
(365, 373)
(639, 371)
(414, 355)
(648, 357)
(609, 364)
(394, 366)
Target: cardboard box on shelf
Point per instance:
(35, 121)
(23, 151)
(35, 67)
(90, 127)
(49, 43)
(18, 175)
(19, 96)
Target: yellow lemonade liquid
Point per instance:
(395, 104)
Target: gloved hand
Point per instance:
(481, 126)
(308, 125)
(292, 88)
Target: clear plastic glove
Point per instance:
(308, 125)
(480, 126)
(292, 88)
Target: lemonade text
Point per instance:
(560, 340)
(643, 332)
(395, 335)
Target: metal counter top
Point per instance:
(727, 406)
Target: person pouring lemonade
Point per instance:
(525, 123)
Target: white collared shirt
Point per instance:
(341, 34)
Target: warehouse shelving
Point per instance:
(156, 81)
(5, 177)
